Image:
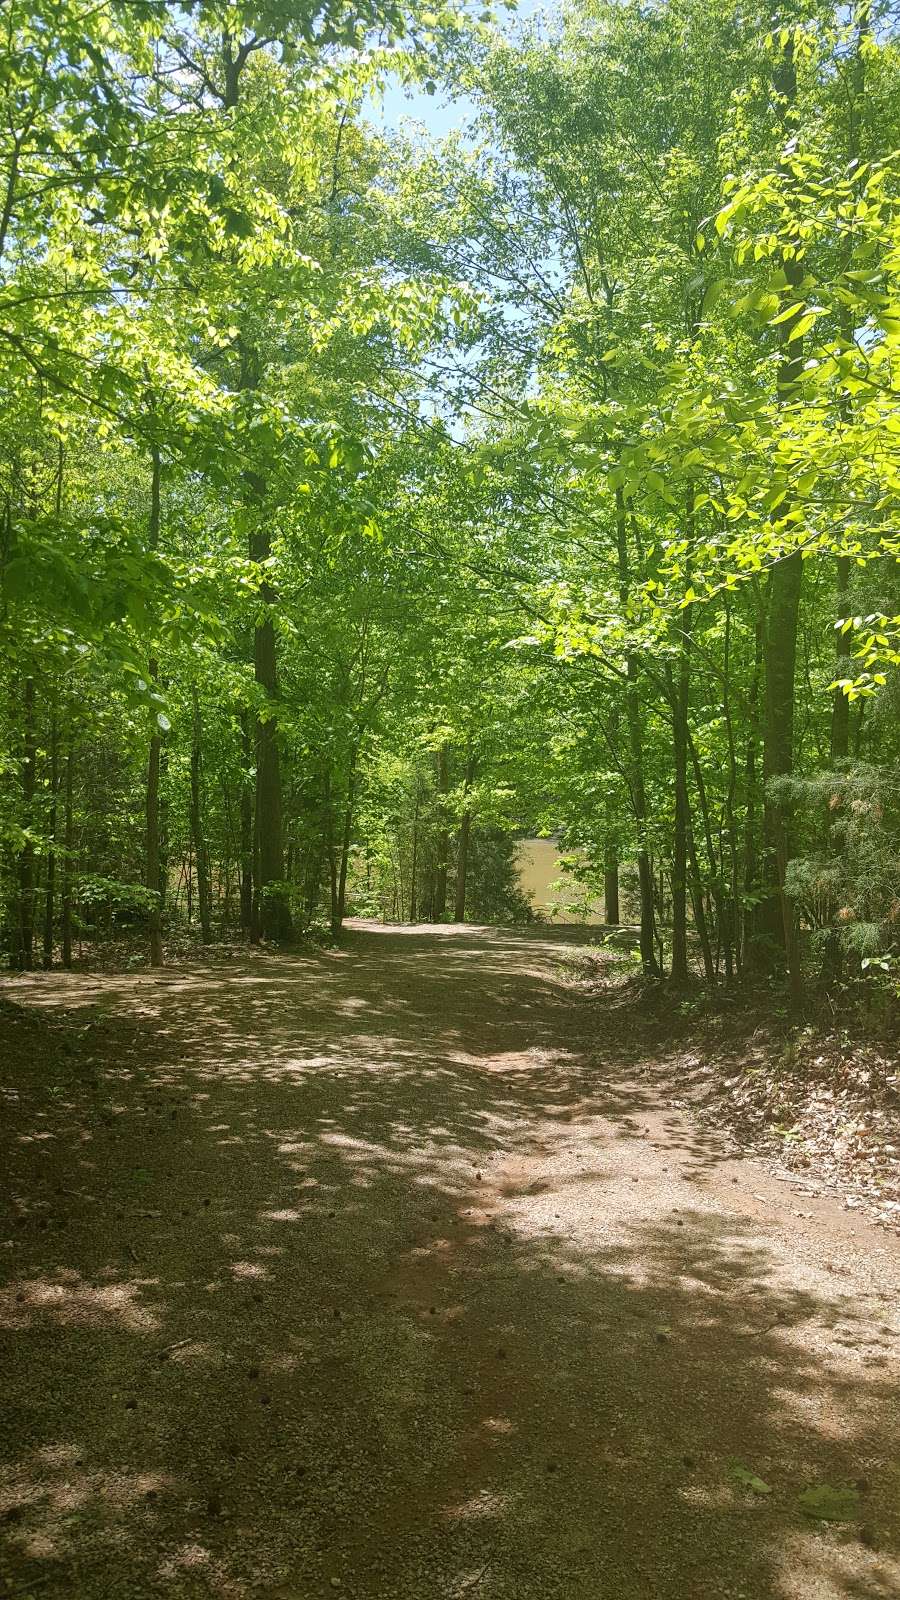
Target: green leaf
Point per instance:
(829, 1504)
(748, 1479)
(802, 327)
(787, 313)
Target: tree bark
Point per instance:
(413, 869)
(611, 911)
(68, 842)
(270, 910)
(200, 850)
(50, 887)
(696, 881)
(840, 707)
(246, 827)
(778, 920)
(330, 851)
(443, 838)
(273, 911)
(26, 858)
(345, 840)
(152, 851)
(785, 585)
(636, 759)
(611, 884)
(733, 944)
(679, 691)
(462, 844)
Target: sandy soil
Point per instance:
(380, 1273)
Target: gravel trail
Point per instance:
(378, 1273)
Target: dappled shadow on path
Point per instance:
(368, 1266)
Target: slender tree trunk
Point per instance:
(443, 839)
(152, 850)
(314, 877)
(246, 827)
(751, 934)
(840, 706)
(734, 926)
(152, 862)
(345, 861)
(345, 840)
(679, 691)
(462, 844)
(636, 756)
(225, 884)
(26, 858)
(331, 853)
(718, 898)
(68, 844)
(413, 869)
(50, 888)
(199, 837)
(780, 659)
(779, 920)
(832, 960)
(699, 907)
(611, 883)
(611, 911)
(274, 916)
(274, 911)
(271, 916)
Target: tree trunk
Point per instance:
(779, 919)
(443, 839)
(718, 898)
(462, 845)
(679, 691)
(50, 888)
(313, 881)
(331, 853)
(152, 873)
(415, 859)
(734, 923)
(345, 841)
(611, 910)
(840, 707)
(200, 851)
(26, 858)
(636, 760)
(832, 962)
(778, 751)
(246, 827)
(751, 931)
(273, 913)
(152, 852)
(611, 884)
(68, 843)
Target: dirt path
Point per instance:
(376, 1274)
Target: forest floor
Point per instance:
(402, 1270)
